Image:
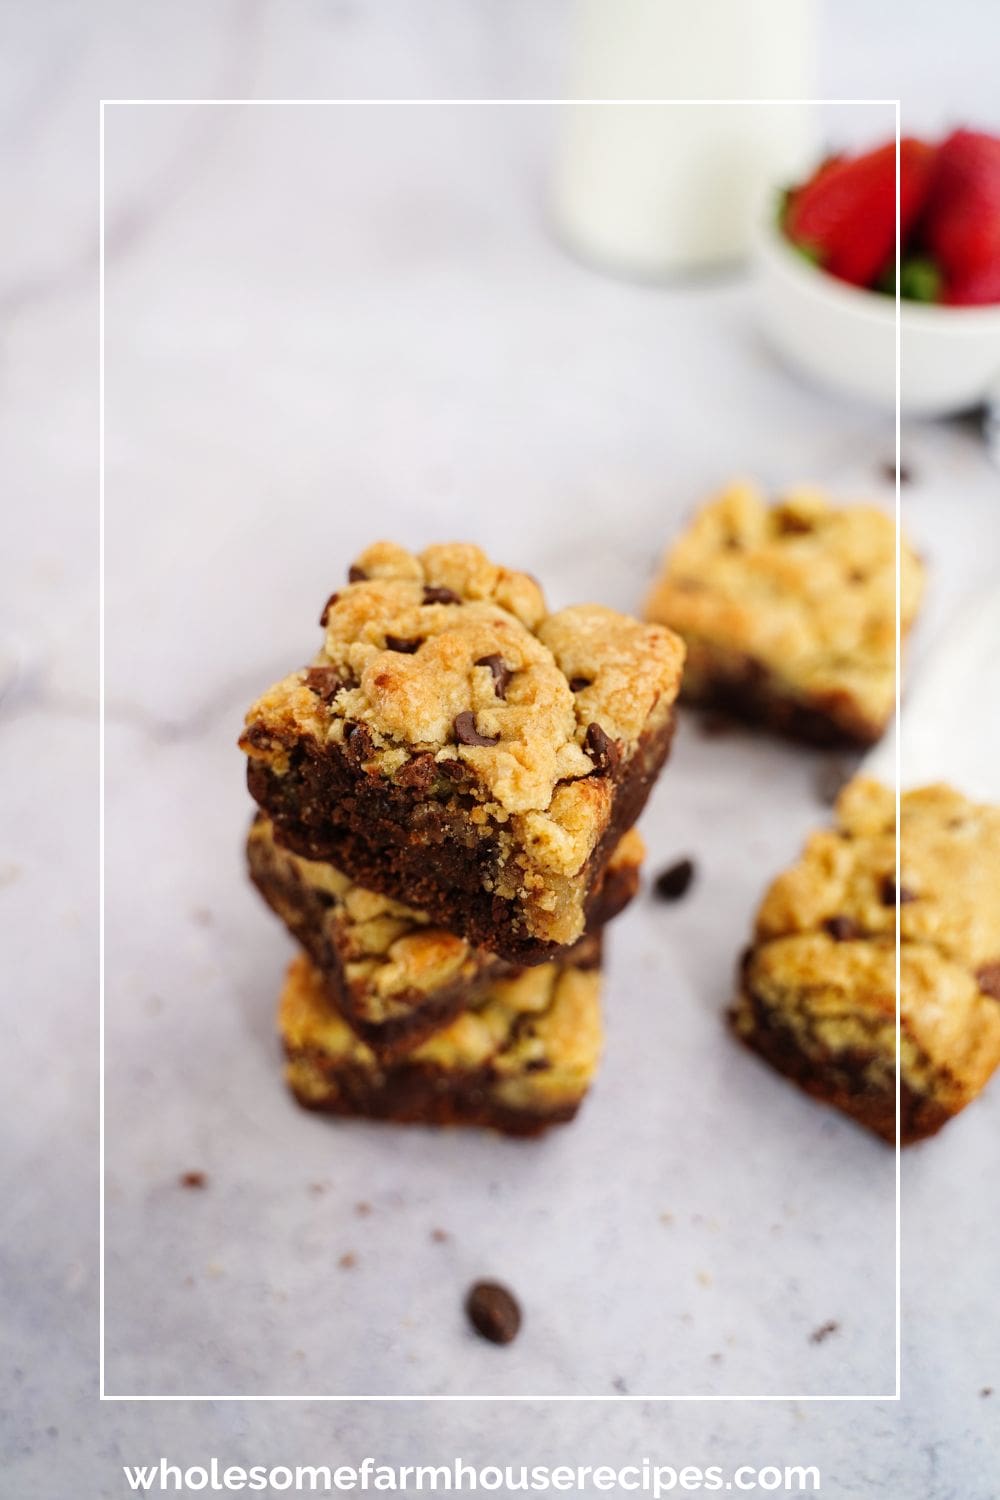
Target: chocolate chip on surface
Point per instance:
(888, 471)
(193, 1180)
(467, 734)
(577, 684)
(888, 892)
(988, 979)
(324, 682)
(493, 1312)
(398, 643)
(327, 608)
(440, 596)
(356, 574)
(672, 882)
(842, 929)
(602, 750)
(823, 1332)
(501, 672)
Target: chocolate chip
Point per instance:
(888, 472)
(467, 734)
(356, 574)
(537, 1065)
(888, 892)
(602, 750)
(327, 608)
(715, 726)
(988, 979)
(440, 596)
(671, 883)
(577, 684)
(455, 770)
(420, 772)
(501, 672)
(842, 929)
(823, 1332)
(193, 1180)
(398, 643)
(493, 1312)
(790, 523)
(358, 738)
(325, 682)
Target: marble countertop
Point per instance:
(325, 324)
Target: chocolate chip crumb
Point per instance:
(193, 1180)
(501, 672)
(841, 929)
(362, 1210)
(397, 643)
(325, 682)
(620, 1384)
(327, 608)
(888, 892)
(987, 1390)
(467, 734)
(888, 472)
(356, 574)
(440, 596)
(348, 1261)
(988, 979)
(602, 750)
(440, 1236)
(493, 1312)
(673, 882)
(824, 1331)
(577, 684)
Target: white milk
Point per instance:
(653, 179)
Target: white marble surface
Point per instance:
(324, 325)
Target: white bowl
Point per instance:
(845, 337)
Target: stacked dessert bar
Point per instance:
(446, 796)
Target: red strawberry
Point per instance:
(961, 220)
(980, 288)
(846, 214)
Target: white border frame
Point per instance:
(896, 1395)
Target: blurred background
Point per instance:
(325, 323)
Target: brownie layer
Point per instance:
(856, 1081)
(743, 688)
(426, 850)
(519, 1061)
(394, 978)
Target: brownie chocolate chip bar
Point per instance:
(393, 975)
(460, 749)
(788, 612)
(818, 984)
(519, 1060)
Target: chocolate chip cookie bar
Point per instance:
(391, 973)
(520, 1060)
(818, 984)
(788, 612)
(460, 749)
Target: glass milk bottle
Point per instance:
(682, 116)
